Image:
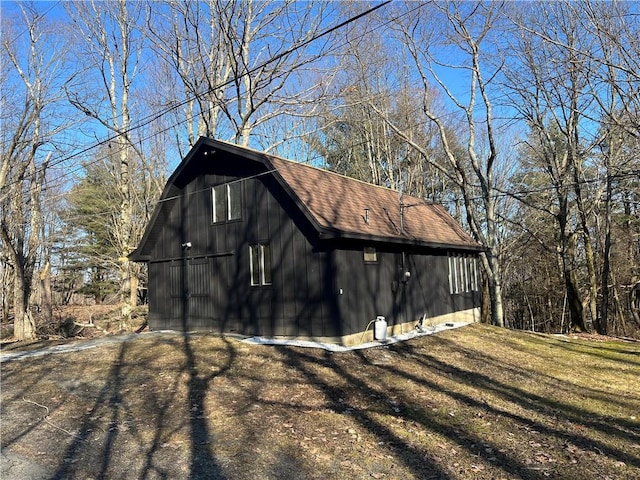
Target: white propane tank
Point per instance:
(380, 329)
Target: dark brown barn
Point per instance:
(248, 243)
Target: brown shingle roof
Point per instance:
(335, 203)
(339, 203)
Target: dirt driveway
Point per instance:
(473, 403)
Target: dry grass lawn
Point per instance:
(473, 403)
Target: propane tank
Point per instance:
(380, 329)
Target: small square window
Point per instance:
(370, 254)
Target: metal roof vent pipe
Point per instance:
(380, 329)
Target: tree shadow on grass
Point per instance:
(202, 460)
(519, 371)
(526, 400)
(416, 459)
(27, 396)
(627, 353)
(203, 463)
(110, 396)
(98, 445)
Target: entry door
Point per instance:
(198, 276)
(190, 291)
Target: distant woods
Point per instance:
(522, 120)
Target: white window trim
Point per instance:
(262, 267)
(450, 263)
(463, 273)
(226, 201)
(251, 263)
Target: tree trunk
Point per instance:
(574, 299)
(46, 297)
(133, 297)
(23, 325)
(588, 248)
(485, 313)
(495, 292)
(603, 321)
(5, 292)
(634, 303)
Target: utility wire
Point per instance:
(169, 127)
(499, 192)
(35, 19)
(145, 121)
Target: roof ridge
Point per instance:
(347, 177)
(323, 170)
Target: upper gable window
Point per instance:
(226, 202)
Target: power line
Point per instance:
(35, 19)
(145, 121)
(500, 193)
(154, 117)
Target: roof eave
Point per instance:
(137, 258)
(332, 234)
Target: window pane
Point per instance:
(254, 264)
(451, 281)
(266, 264)
(219, 203)
(370, 254)
(455, 274)
(235, 204)
(475, 274)
(465, 273)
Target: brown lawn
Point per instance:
(473, 403)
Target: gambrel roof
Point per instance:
(339, 206)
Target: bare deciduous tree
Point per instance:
(29, 123)
(574, 87)
(459, 31)
(111, 49)
(232, 67)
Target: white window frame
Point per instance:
(475, 274)
(262, 250)
(463, 273)
(451, 270)
(226, 201)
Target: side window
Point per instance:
(265, 253)
(463, 274)
(260, 264)
(219, 203)
(227, 202)
(254, 265)
(452, 273)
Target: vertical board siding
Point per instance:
(207, 286)
(177, 290)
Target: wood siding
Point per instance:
(366, 290)
(319, 288)
(207, 287)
